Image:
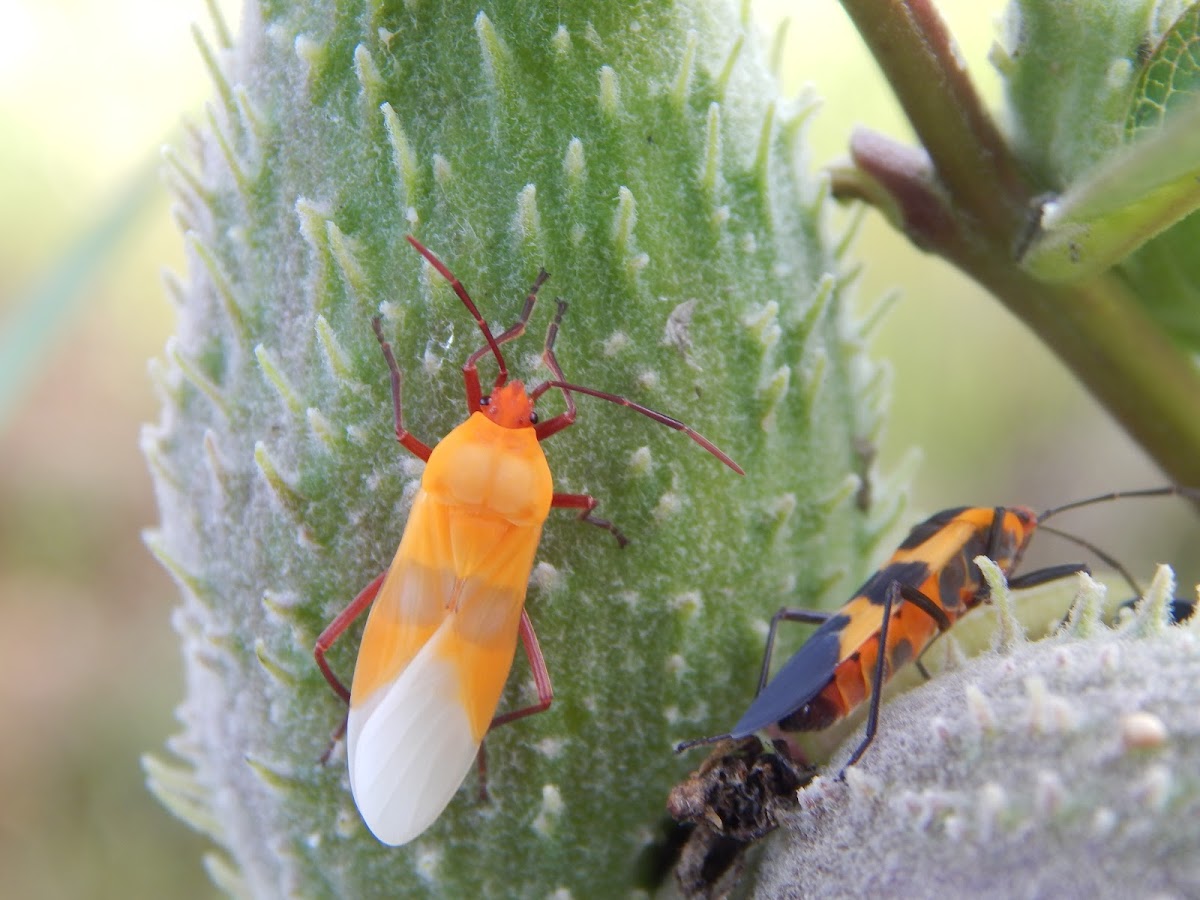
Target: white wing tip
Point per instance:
(409, 747)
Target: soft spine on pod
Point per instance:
(1063, 767)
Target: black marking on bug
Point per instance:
(876, 587)
(930, 527)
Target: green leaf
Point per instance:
(1139, 190)
(1118, 206)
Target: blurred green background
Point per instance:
(89, 672)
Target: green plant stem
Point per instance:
(1128, 364)
(972, 210)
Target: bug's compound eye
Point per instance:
(533, 418)
(485, 401)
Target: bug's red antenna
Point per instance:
(559, 422)
(517, 329)
(661, 418)
(492, 344)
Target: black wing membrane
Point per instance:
(799, 681)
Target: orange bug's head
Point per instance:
(1028, 521)
(1024, 522)
(509, 406)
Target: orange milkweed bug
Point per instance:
(441, 637)
(925, 587)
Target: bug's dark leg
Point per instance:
(786, 614)
(586, 503)
(1046, 575)
(918, 599)
(995, 549)
(995, 536)
(893, 594)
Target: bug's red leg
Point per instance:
(786, 614)
(654, 415)
(338, 734)
(583, 502)
(332, 632)
(586, 503)
(337, 627)
(541, 677)
(553, 426)
(517, 328)
(408, 440)
(470, 374)
(545, 692)
(481, 769)
(567, 418)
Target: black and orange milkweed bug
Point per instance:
(929, 583)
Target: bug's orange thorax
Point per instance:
(483, 469)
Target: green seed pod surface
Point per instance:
(641, 154)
